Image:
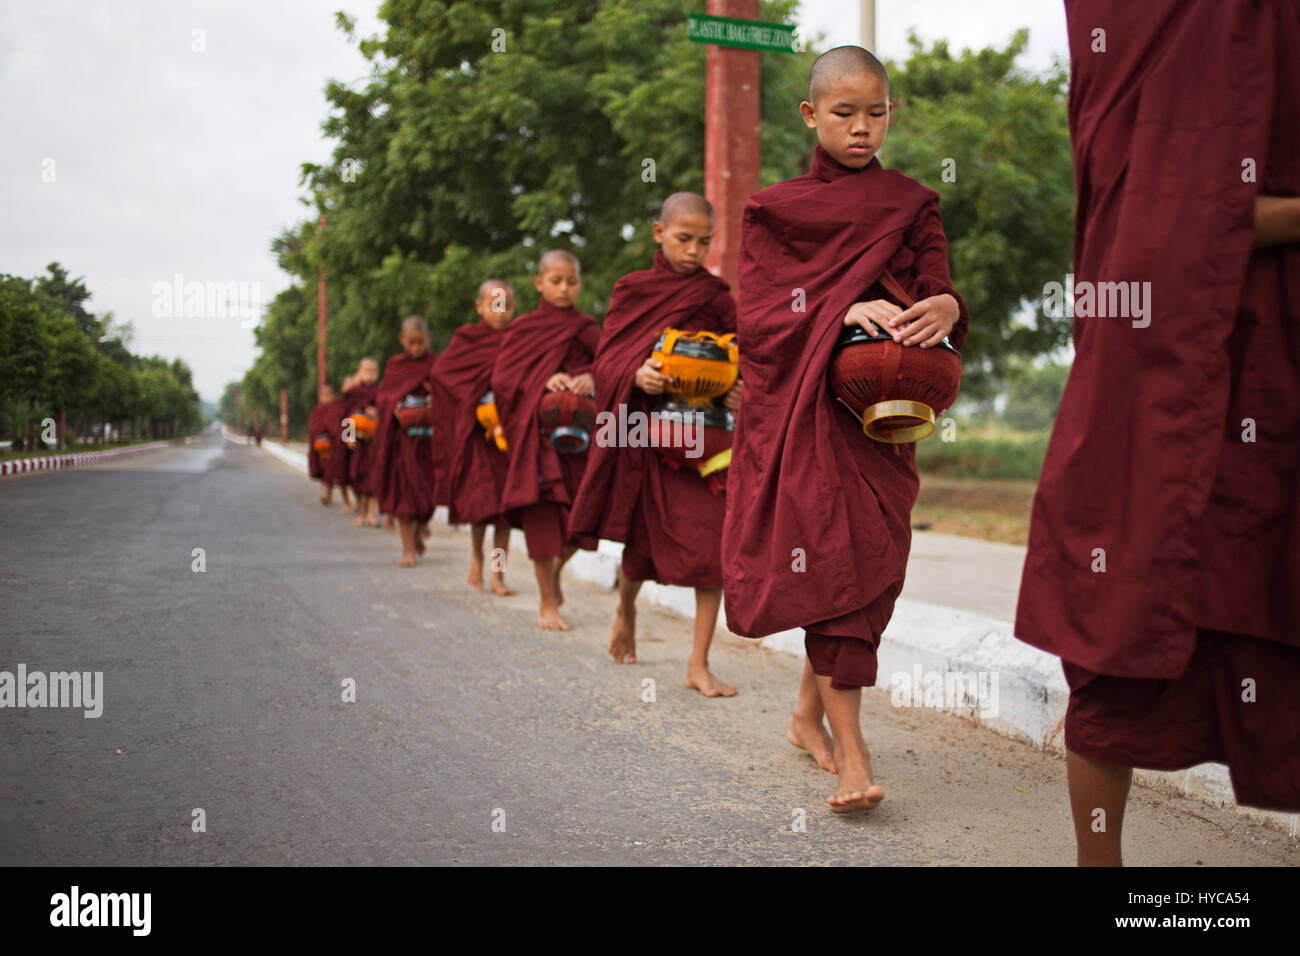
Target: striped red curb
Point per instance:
(20, 466)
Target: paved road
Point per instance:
(223, 692)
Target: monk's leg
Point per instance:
(422, 531)
(363, 502)
(622, 638)
(326, 493)
(346, 508)
(855, 789)
(390, 524)
(569, 551)
(698, 675)
(807, 730)
(476, 534)
(548, 616)
(500, 548)
(408, 544)
(1097, 786)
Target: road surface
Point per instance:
(223, 692)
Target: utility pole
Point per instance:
(867, 25)
(320, 320)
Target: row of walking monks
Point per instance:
(1197, 594)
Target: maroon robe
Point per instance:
(669, 518)
(360, 459)
(817, 530)
(1149, 467)
(404, 472)
(316, 425)
(476, 470)
(541, 484)
(338, 466)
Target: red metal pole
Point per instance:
(320, 323)
(731, 124)
(284, 414)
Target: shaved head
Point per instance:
(684, 204)
(556, 256)
(489, 284)
(415, 323)
(839, 63)
(368, 361)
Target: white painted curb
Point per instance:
(20, 466)
(928, 642)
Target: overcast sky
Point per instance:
(136, 149)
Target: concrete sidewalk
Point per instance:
(950, 646)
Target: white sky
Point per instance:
(168, 161)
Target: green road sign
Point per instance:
(746, 34)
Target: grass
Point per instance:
(984, 452)
(989, 509)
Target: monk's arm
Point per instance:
(1277, 220)
(927, 240)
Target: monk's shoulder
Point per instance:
(901, 183)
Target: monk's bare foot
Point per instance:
(371, 522)
(475, 577)
(701, 678)
(549, 619)
(358, 521)
(346, 508)
(325, 500)
(855, 789)
(499, 586)
(812, 736)
(407, 561)
(622, 639)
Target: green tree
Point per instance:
(1001, 136)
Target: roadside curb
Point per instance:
(22, 466)
(996, 680)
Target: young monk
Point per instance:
(476, 474)
(404, 475)
(360, 399)
(1164, 547)
(669, 518)
(340, 460)
(316, 427)
(548, 349)
(817, 530)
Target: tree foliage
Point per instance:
(58, 360)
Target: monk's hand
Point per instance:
(926, 323)
(558, 382)
(873, 316)
(731, 400)
(1277, 221)
(583, 384)
(649, 379)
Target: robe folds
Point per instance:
(541, 484)
(476, 469)
(817, 529)
(669, 519)
(316, 426)
(360, 460)
(337, 469)
(1166, 524)
(404, 465)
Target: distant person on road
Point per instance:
(477, 467)
(670, 518)
(1164, 549)
(359, 405)
(404, 473)
(549, 349)
(818, 515)
(319, 442)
